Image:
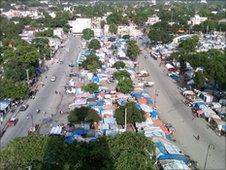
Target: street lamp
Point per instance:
(207, 153)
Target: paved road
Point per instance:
(46, 100)
(172, 110)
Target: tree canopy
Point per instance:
(125, 86)
(119, 64)
(133, 114)
(83, 114)
(87, 34)
(189, 45)
(113, 28)
(10, 89)
(92, 63)
(115, 18)
(132, 50)
(91, 88)
(94, 44)
(51, 152)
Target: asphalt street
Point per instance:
(46, 100)
(174, 111)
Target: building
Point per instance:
(153, 20)
(58, 32)
(78, 25)
(196, 20)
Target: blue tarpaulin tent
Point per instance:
(154, 114)
(80, 131)
(95, 79)
(164, 155)
(178, 157)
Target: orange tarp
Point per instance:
(159, 123)
(142, 101)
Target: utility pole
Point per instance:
(27, 71)
(207, 154)
(207, 29)
(125, 119)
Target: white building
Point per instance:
(78, 25)
(58, 32)
(196, 20)
(153, 20)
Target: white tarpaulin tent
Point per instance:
(56, 130)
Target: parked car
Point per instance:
(12, 122)
(53, 78)
(23, 107)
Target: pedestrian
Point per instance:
(198, 137)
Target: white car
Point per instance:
(53, 78)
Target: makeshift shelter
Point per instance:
(175, 164)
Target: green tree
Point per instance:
(87, 34)
(113, 28)
(51, 152)
(83, 114)
(216, 71)
(140, 160)
(189, 45)
(42, 44)
(46, 33)
(91, 63)
(132, 154)
(10, 89)
(91, 88)
(199, 79)
(133, 114)
(125, 86)
(159, 36)
(115, 18)
(121, 75)
(132, 50)
(94, 44)
(119, 64)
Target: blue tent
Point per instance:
(178, 157)
(122, 102)
(198, 104)
(136, 95)
(95, 79)
(70, 139)
(161, 147)
(80, 131)
(154, 114)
